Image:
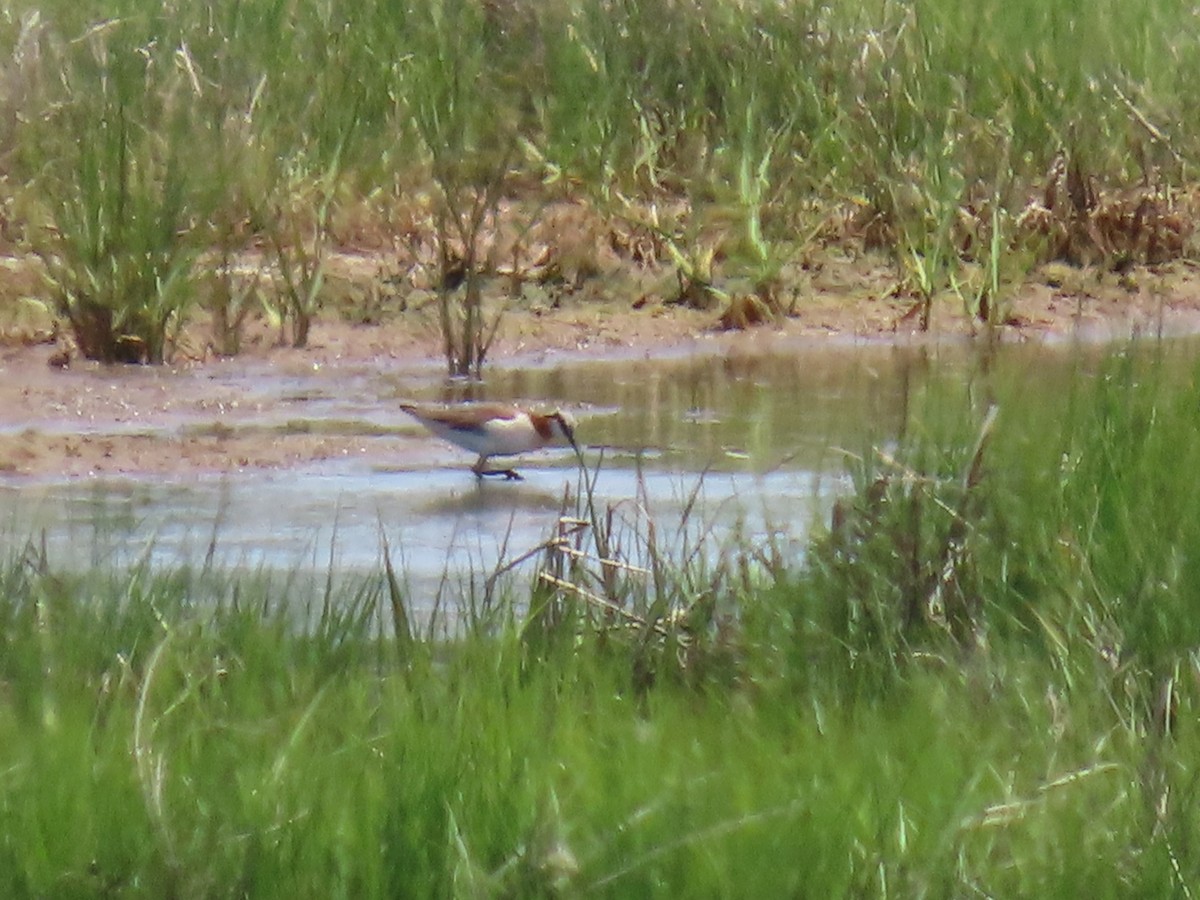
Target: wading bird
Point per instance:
(495, 429)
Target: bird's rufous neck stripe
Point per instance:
(541, 424)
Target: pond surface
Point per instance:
(751, 444)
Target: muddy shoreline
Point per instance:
(202, 415)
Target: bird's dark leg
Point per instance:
(509, 474)
(480, 471)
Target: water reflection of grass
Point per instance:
(983, 680)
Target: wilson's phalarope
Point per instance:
(495, 429)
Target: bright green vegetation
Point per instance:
(149, 146)
(983, 681)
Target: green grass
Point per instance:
(740, 730)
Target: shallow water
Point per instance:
(754, 444)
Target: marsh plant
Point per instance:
(120, 203)
(466, 124)
(305, 172)
(138, 135)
